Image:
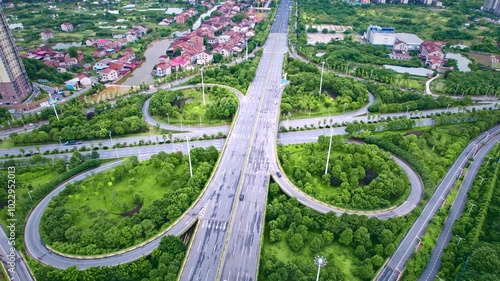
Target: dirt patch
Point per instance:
(416, 133)
(131, 212)
(110, 92)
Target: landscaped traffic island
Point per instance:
(122, 207)
(361, 177)
(187, 107)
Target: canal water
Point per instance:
(153, 52)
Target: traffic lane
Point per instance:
(203, 258)
(19, 271)
(457, 208)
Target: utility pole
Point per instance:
(189, 157)
(203, 86)
(407, 109)
(320, 262)
(246, 44)
(329, 149)
(448, 106)
(321, 79)
(53, 105)
(112, 144)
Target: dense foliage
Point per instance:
(223, 104)
(164, 264)
(238, 75)
(477, 257)
(28, 193)
(479, 82)
(295, 234)
(391, 125)
(390, 99)
(302, 94)
(37, 70)
(62, 223)
(359, 176)
(76, 122)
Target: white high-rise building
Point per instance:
(14, 83)
(377, 35)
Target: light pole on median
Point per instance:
(459, 239)
(321, 79)
(29, 193)
(320, 262)
(60, 142)
(189, 158)
(472, 205)
(329, 149)
(53, 106)
(202, 86)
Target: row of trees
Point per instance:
(307, 233)
(390, 99)
(477, 82)
(394, 124)
(359, 176)
(164, 264)
(477, 257)
(338, 93)
(60, 227)
(79, 122)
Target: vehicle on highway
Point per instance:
(242, 197)
(71, 142)
(279, 174)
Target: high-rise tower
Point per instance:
(492, 6)
(14, 83)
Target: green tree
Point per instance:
(346, 237)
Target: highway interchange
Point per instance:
(226, 244)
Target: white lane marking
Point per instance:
(207, 274)
(190, 272)
(227, 204)
(239, 225)
(246, 230)
(250, 253)
(199, 248)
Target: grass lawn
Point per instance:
(415, 82)
(343, 257)
(108, 201)
(5, 143)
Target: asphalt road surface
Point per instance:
(431, 270)
(16, 267)
(226, 244)
(395, 265)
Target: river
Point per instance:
(153, 52)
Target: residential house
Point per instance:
(102, 64)
(108, 74)
(181, 18)
(180, 64)
(79, 56)
(67, 27)
(131, 37)
(99, 53)
(46, 35)
(84, 79)
(433, 55)
(204, 57)
(90, 42)
(102, 43)
(212, 40)
(400, 46)
(163, 69)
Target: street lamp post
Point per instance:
(29, 193)
(321, 79)
(202, 86)
(329, 149)
(60, 142)
(168, 118)
(320, 262)
(112, 144)
(189, 158)
(53, 106)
